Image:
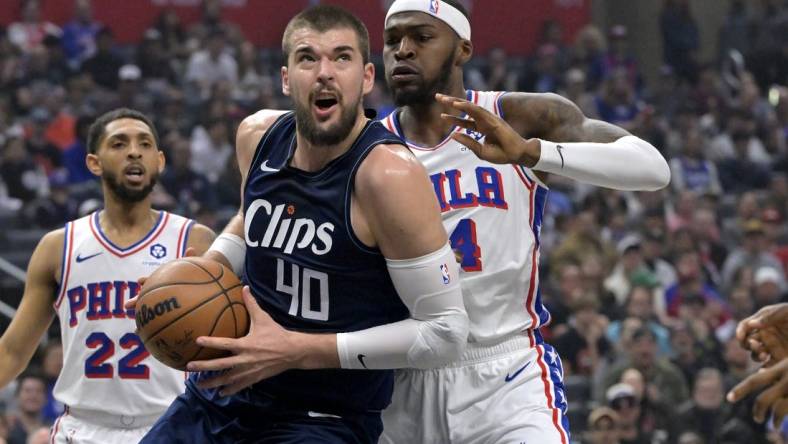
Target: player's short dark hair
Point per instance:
(460, 7)
(324, 18)
(98, 129)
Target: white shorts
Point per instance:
(90, 427)
(509, 393)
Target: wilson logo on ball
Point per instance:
(147, 314)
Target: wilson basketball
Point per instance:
(185, 299)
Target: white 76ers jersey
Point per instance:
(106, 367)
(493, 214)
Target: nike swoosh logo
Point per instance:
(560, 153)
(361, 359)
(83, 259)
(509, 377)
(264, 167)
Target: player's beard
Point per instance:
(425, 92)
(125, 193)
(309, 129)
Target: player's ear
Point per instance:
(162, 161)
(94, 164)
(285, 82)
(464, 52)
(369, 78)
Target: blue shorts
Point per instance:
(191, 419)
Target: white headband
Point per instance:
(438, 9)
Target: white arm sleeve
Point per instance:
(437, 330)
(629, 163)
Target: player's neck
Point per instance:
(127, 221)
(422, 123)
(310, 157)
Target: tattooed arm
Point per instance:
(549, 134)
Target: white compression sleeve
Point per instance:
(435, 334)
(629, 163)
(233, 248)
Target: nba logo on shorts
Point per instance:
(158, 251)
(434, 5)
(445, 273)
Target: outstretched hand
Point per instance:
(774, 397)
(265, 351)
(502, 144)
(765, 334)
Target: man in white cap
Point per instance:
(507, 387)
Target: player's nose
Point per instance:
(326, 70)
(404, 50)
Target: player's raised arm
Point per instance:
(229, 248)
(402, 218)
(550, 134)
(35, 312)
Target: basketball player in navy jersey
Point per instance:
(113, 390)
(487, 154)
(348, 267)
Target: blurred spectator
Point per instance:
(589, 53)
(769, 287)
(103, 66)
(640, 305)
(691, 171)
(211, 65)
(3, 428)
(616, 102)
(747, 209)
(583, 238)
(52, 363)
(584, 345)
(23, 177)
(603, 427)
(706, 413)
(74, 155)
(79, 35)
(656, 417)
(191, 191)
(130, 91)
(742, 305)
(56, 208)
(752, 252)
(569, 288)
(173, 36)
(641, 354)
(44, 153)
(694, 346)
(575, 89)
(250, 74)
(707, 238)
(621, 397)
(680, 37)
(736, 33)
(630, 270)
(29, 33)
(497, 75)
(39, 436)
(544, 73)
(211, 149)
(31, 397)
(211, 22)
(155, 64)
(693, 293)
(618, 57)
(653, 249)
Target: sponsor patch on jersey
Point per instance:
(445, 273)
(158, 251)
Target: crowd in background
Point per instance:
(644, 289)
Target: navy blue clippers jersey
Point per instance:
(308, 270)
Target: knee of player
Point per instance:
(441, 341)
